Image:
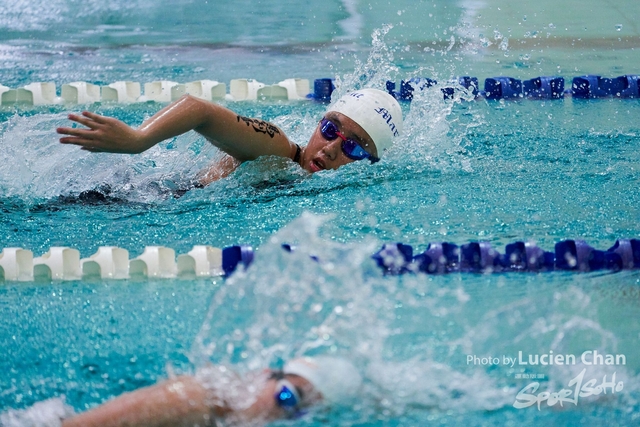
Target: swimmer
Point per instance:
(212, 395)
(361, 125)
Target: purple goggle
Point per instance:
(351, 148)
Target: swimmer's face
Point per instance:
(321, 154)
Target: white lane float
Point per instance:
(59, 263)
(16, 264)
(162, 91)
(201, 261)
(121, 92)
(80, 93)
(155, 262)
(109, 262)
(244, 89)
(210, 90)
(40, 93)
(297, 89)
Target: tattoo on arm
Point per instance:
(260, 126)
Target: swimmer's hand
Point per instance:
(103, 134)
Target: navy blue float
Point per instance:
(322, 90)
(629, 86)
(481, 257)
(601, 87)
(578, 255)
(527, 256)
(439, 258)
(502, 88)
(542, 87)
(407, 88)
(394, 258)
(232, 256)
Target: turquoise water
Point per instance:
(495, 171)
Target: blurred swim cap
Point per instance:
(335, 378)
(377, 112)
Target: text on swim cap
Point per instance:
(389, 119)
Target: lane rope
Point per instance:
(159, 262)
(295, 89)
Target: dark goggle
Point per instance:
(351, 148)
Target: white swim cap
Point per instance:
(335, 378)
(377, 112)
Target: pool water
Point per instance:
(464, 170)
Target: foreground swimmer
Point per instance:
(214, 396)
(360, 125)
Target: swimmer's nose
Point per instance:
(332, 149)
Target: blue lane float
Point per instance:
(394, 258)
(467, 82)
(480, 257)
(408, 87)
(527, 256)
(233, 256)
(439, 258)
(497, 88)
(592, 86)
(578, 255)
(589, 87)
(502, 88)
(629, 251)
(543, 87)
(322, 90)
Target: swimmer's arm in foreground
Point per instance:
(242, 138)
(178, 402)
(182, 402)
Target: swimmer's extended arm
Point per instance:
(179, 402)
(241, 137)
